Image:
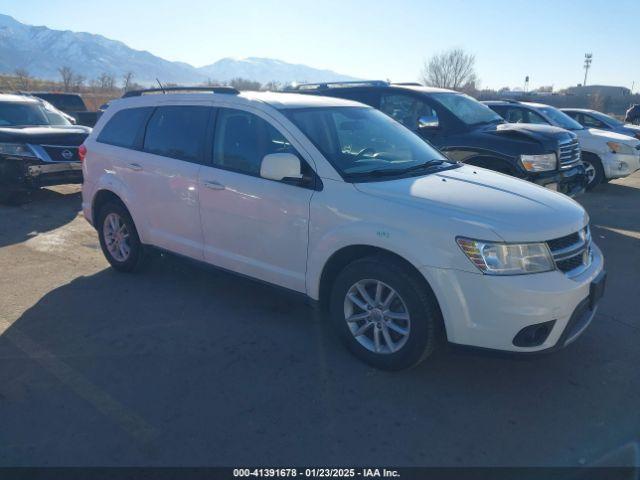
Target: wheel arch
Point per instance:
(347, 254)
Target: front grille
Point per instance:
(569, 154)
(62, 153)
(572, 253)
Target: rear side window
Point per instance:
(177, 132)
(124, 128)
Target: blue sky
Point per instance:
(545, 39)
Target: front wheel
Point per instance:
(593, 170)
(119, 238)
(385, 314)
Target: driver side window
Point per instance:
(591, 122)
(407, 110)
(242, 139)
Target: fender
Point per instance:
(348, 235)
(110, 182)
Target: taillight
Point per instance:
(82, 152)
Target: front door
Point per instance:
(252, 225)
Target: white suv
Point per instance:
(337, 201)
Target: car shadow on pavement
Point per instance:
(181, 365)
(46, 210)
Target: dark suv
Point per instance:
(38, 147)
(470, 132)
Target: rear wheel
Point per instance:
(386, 315)
(593, 170)
(119, 238)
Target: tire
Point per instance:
(423, 330)
(594, 170)
(129, 258)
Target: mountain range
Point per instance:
(41, 51)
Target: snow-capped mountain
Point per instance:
(42, 51)
(266, 70)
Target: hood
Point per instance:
(532, 130)
(606, 136)
(54, 135)
(513, 209)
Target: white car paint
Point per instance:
(594, 141)
(285, 234)
(615, 165)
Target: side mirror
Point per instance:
(428, 122)
(280, 166)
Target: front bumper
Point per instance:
(23, 174)
(489, 311)
(571, 182)
(618, 165)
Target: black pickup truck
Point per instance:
(72, 104)
(467, 131)
(38, 147)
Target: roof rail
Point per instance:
(218, 89)
(327, 85)
(409, 84)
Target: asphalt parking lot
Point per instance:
(181, 365)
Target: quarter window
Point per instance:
(242, 140)
(124, 128)
(177, 132)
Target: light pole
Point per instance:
(588, 57)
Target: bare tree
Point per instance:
(454, 69)
(67, 77)
(127, 81)
(106, 82)
(273, 86)
(24, 79)
(245, 84)
(78, 81)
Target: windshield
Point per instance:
(607, 119)
(361, 141)
(21, 114)
(560, 119)
(467, 109)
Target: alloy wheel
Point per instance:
(116, 237)
(377, 316)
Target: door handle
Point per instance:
(136, 167)
(213, 185)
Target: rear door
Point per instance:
(165, 176)
(252, 225)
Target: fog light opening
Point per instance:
(533, 335)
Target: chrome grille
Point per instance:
(569, 154)
(572, 253)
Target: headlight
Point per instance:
(539, 163)
(620, 148)
(495, 258)
(16, 150)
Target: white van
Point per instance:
(337, 201)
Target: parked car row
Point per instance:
(402, 244)
(606, 152)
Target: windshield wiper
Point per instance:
(390, 172)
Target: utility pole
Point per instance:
(588, 57)
(526, 84)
